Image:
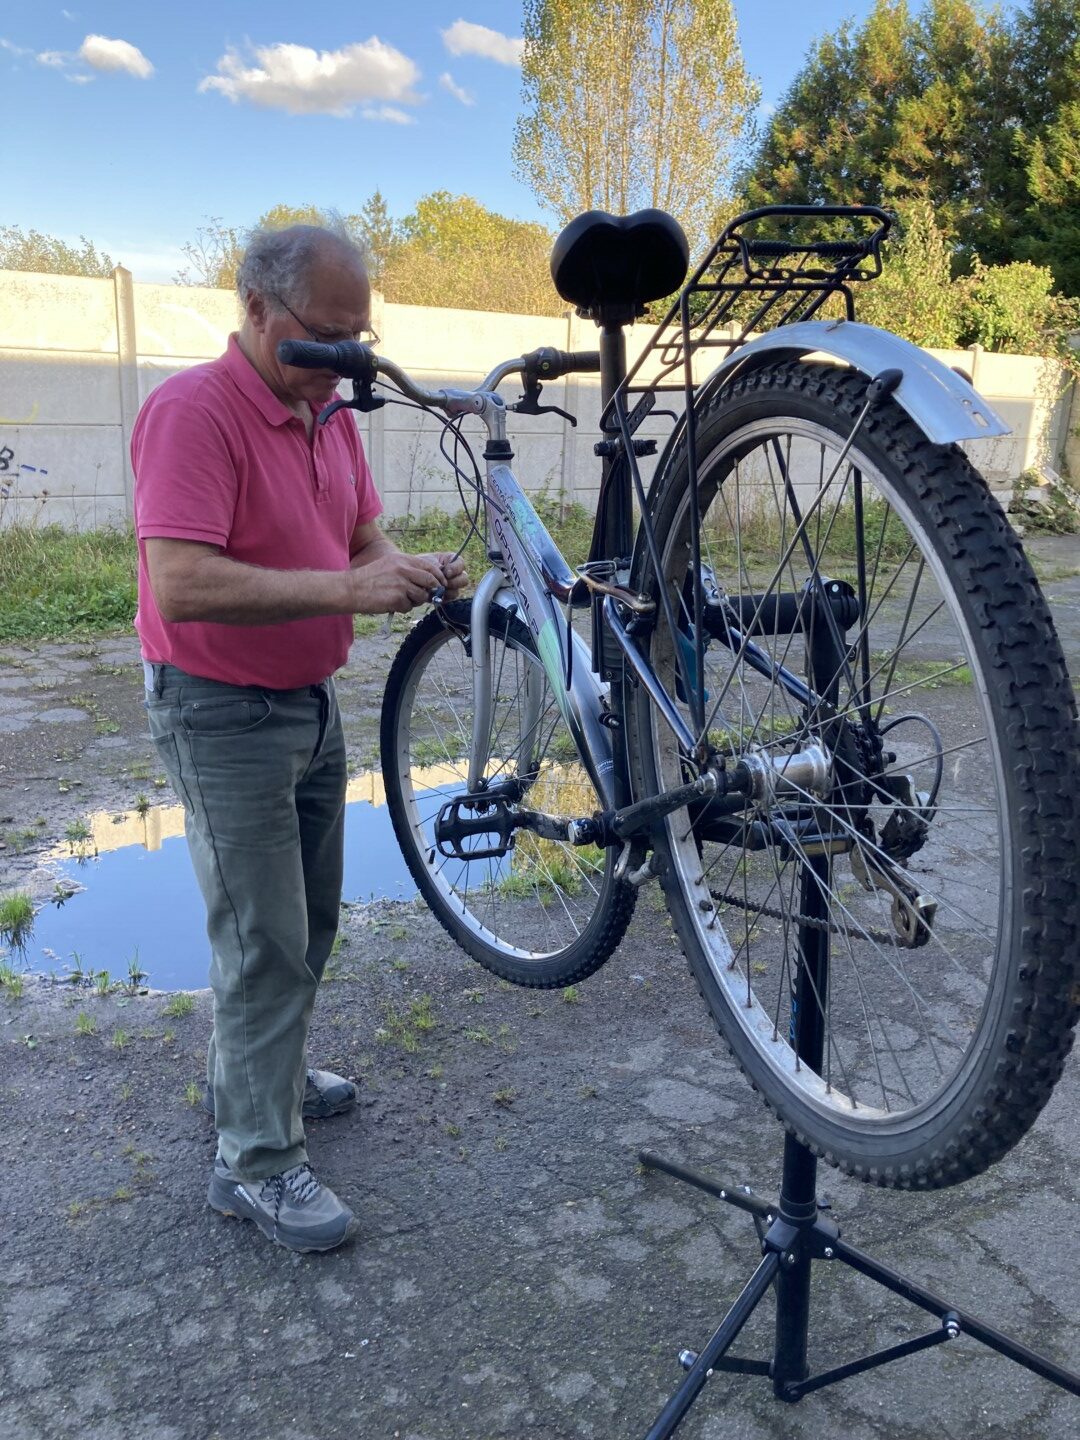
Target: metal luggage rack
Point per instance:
(746, 284)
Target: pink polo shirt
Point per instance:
(218, 458)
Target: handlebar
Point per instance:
(353, 361)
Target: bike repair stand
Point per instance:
(795, 1233)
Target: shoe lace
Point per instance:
(300, 1182)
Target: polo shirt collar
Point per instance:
(251, 384)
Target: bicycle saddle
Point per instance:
(603, 260)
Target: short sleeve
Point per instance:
(186, 482)
(368, 502)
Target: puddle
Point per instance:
(137, 903)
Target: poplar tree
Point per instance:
(633, 103)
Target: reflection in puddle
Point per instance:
(137, 900)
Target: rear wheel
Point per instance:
(536, 911)
(928, 842)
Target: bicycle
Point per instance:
(818, 697)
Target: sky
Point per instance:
(133, 122)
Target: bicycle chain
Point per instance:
(810, 921)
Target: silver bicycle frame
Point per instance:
(529, 578)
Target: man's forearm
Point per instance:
(373, 550)
(229, 592)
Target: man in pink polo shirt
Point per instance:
(257, 545)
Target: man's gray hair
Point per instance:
(277, 264)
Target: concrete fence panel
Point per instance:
(78, 357)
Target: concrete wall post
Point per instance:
(127, 372)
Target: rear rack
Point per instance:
(750, 282)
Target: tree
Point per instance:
(213, 256)
(897, 109)
(379, 234)
(974, 112)
(632, 103)
(48, 255)
(454, 251)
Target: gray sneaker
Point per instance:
(293, 1208)
(325, 1094)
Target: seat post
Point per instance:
(612, 356)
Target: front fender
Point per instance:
(941, 402)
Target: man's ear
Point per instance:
(258, 311)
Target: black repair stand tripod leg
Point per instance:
(795, 1233)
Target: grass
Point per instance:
(85, 1024)
(16, 919)
(406, 1027)
(180, 1005)
(57, 585)
(927, 674)
(193, 1093)
(11, 982)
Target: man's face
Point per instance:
(337, 306)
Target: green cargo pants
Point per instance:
(261, 774)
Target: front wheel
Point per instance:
(910, 882)
(536, 911)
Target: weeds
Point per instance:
(193, 1093)
(180, 1005)
(11, 982)
(16, 919)
(405, 1027)
(58, 584)
(85, 1024)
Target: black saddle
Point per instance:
(616, 263)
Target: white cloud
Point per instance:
(465, 38)
(13, 49)
(447, 81)
(80, 79)
(56, 58)
(105, 54)
(69, 14)
(320, 82)
(387, 112)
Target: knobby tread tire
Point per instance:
(1026, 1052)
(597, 942)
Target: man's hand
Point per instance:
(396, 582)
(454, 577)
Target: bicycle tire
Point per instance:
(982, 1009)
(546, 914)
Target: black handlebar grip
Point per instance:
(582, 360)
(548, 363)
(347, 358)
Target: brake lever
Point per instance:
(529, 404)
(364, 398)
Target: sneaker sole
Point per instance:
(224, 1203)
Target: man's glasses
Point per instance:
(365, 337)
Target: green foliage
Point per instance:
(46, 254)
(970, 110)
(914, 296)
(1001, 307)
(453, 251)
(16, 919)
(55, 584)
(450, 251)
(631, 103)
